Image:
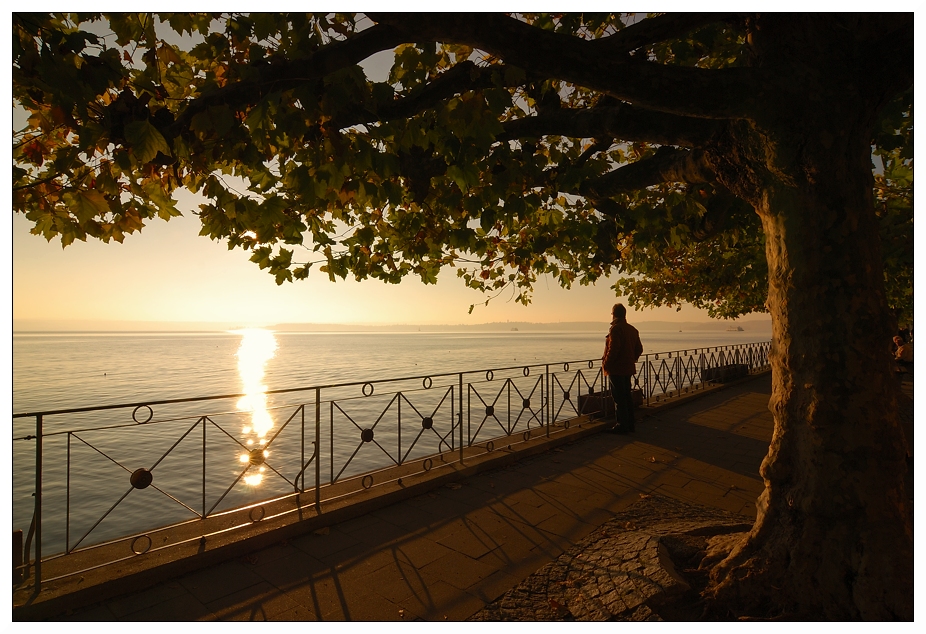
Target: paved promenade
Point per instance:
(447, 554)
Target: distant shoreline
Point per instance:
(26, 327)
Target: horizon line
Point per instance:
(91, 325)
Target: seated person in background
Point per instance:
(904, 354)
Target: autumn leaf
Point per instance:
(145, 141)
(35, 153)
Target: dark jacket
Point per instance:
(622, 348)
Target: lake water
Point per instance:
(198, 452)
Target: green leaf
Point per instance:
(166, 207)
(145, 141)
(86, 205)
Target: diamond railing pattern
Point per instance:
(120, 480)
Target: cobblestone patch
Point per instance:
(620, 572)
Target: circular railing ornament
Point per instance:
(526, 371)
(256, 514)
(135, 414)
(566, 424)
(490, 446)
(566, 395)
(141, 478)
(364, 389)
(427, 422)
(427, 464)
(526, 435)
(591, 364)
(367, 481)
(426, 383)
(256, 457)
(490, 410)
(565, 367)
(526, 404)
(366, 435)
(145, 546)
(489, 375)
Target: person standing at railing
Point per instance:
(619, 363)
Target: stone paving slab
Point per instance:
(452, 551)
(620, 572)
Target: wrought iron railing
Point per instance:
(116, 481)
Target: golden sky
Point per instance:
(168, 272)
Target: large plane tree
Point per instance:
(723, 160)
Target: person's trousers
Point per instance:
(623, 401)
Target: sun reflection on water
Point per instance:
(256, 349)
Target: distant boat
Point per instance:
(514, 330)
(735, 329)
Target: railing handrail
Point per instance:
(674, 378)
(198, 399)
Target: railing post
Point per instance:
(301, 449)
(38, 503)
(203, 421)
(318, 449)
(647, 389)
(510, 429)
(67, 505)
(701, 368)
(546, 375)
(461, 415)
(331, 448)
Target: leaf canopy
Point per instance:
(468, 155)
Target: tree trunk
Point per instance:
(834, 534)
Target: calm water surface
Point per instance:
(85, 472)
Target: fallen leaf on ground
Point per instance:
(323, 531)
(644, 496)
(454, 485)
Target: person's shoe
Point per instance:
(616, 430)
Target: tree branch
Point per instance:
(622, 122)
(286, 74)
(667, 165)
(460, 78)
(696, 92)
(652, 30)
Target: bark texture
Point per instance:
(834, 533)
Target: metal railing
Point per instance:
(116, 481)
